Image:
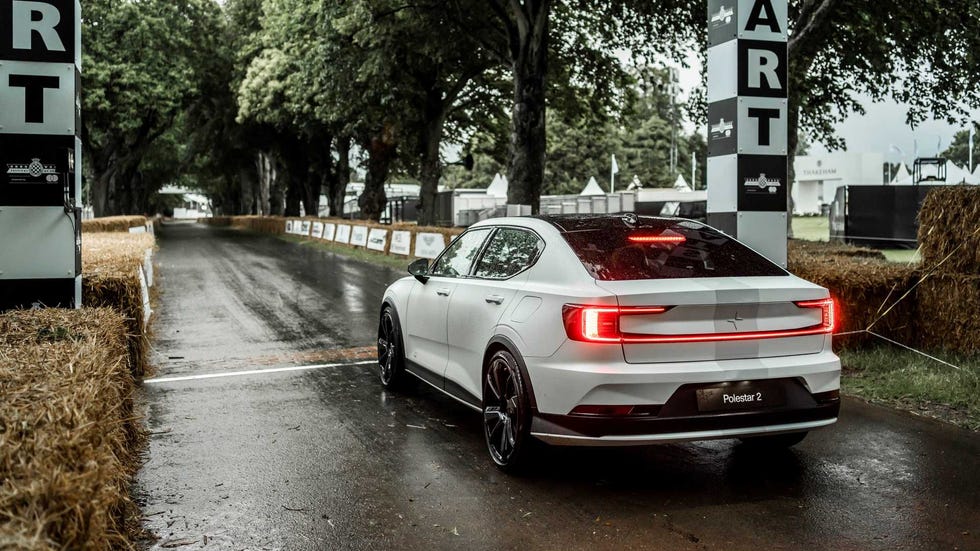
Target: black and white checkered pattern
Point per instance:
(747, 122)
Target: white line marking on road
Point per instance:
(254, 372)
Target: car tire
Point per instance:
(507, 413)
(391, 351)
(775, 441)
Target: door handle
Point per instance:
(442, 292)
(494, 299)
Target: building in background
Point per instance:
(819, 176)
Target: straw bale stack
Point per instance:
(110, 278)
(69, 435)
(862, 286)
(113, 224)
(950, 218)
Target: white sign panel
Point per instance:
(329, 231)
(343, 233)
(359, 236)
(401, 243)
(305, 228)
(317, 230)
(429, 245)
(377, 239)
(289, 226)
(37, 98)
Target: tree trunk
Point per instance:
(792, 141)
(381, 152)
(431, 164)
(277, 204)
(527, 137)
(247, 184)
(340, 177)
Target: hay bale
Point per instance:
(864, 288)
(950, 218)
(824, 248)
(113, 224)
(947, 312)
(110, 278)
(69, 433)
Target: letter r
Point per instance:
(36, 17)
(763, 63)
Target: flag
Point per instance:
(615, 166)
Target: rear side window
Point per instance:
(457, 259)
(509, 251)
(664, 249)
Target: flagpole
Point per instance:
(971, 147)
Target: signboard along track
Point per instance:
(748, 122)
(40, 153)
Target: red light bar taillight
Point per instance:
(600, 324)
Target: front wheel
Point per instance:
(506, 413)
(391, 359)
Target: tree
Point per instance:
(143, 63)
(839, 50)
(959, 149)
(580, 39)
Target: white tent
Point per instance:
(681, 184)
(902, 175)
(592, 188)
(976, 172)
(498, 187)
(956, 175)
(635, 184)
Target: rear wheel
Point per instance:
(506, 413)
(391, 359)
(775, 441)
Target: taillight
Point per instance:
(600, 323)
(829, 318)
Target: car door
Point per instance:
(480, 300)
(428, 305)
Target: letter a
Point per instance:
(756, 17)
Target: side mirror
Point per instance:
(420, 269)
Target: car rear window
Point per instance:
(655, 248)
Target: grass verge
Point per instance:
(909, 381)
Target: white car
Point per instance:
(613, 330)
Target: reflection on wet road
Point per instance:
(325, 459)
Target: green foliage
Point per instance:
(959, 149)
(923, 55)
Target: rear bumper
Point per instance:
(647, 439)
(679, 420)
(585, 374)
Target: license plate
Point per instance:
(741, 396)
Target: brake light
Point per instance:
(600, 323)
(829, 308)
(664, 239)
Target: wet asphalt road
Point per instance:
(325, 459)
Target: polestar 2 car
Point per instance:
(613, 330)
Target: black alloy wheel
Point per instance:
(391, 363)
(506, 413)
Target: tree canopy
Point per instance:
(267, 104)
